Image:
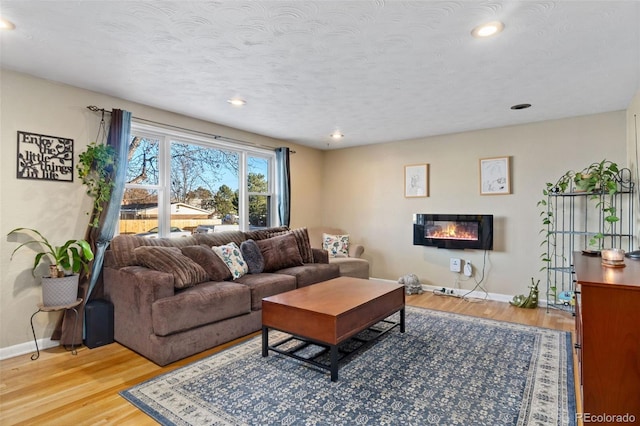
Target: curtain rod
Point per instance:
(217, 137)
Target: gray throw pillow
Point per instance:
(252, 255)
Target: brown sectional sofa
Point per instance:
(173, 299)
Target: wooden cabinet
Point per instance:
(608, 339)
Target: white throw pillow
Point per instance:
(336, 245)
(232, 257)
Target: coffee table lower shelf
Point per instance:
(337, 353)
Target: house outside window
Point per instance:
(179, 183)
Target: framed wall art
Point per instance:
(416, 180)
(494, 176)
(44, 157)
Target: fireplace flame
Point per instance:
(454, 231)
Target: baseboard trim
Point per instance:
(462, 292)
(27, 347)
(498, 297)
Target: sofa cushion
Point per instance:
(232, 257)
(280, 252)
(253, 256)
(312, 273)
(265, 285)
(352, 267)
(336, 245)
(185, 271)
(196, 306)
(204, 256)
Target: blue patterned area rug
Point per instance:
(447, 369)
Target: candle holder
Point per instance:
(613, 258)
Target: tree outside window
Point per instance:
(176, 186)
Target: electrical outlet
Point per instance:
(468, 269)
(455, 265)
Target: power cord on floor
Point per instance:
(449, 293)
(478, 285)
(443, 292)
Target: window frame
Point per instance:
(166, 136)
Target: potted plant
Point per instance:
(65, 262)
(599, 182)
(598, 177)
(94, 167)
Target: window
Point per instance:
(179, 183)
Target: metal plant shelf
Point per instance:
(575, 219)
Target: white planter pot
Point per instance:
(60, 291)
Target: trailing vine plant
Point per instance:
(600, 181)
(95, 167)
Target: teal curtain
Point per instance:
(283, 189)
(119, 135)
(100, 237)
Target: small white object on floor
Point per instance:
(411, 284)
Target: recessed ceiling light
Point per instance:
(336, 135)
(488, 29)
(521, 106)
(6, 25)
(237, 102)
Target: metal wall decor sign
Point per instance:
(44, 157)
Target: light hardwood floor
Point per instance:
(62, 389)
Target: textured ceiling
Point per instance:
(377, 71)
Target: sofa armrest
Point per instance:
(356, 250)
(132, 290)
(320, 255)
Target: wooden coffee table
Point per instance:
(329, 313)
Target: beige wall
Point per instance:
(359, 190)
(363, 190)
(58, 208)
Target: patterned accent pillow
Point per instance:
(336, 245)
(232, 257)
(186, 272)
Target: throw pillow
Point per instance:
(302, 238)
(336, 245)
(232, 257)
(186, 272)
(205, 257)
(263, 234)
(251, 253)
(280, 252)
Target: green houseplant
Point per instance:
(598, 182)
(73, 256)
(95, 167)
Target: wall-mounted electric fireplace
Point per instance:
(454, 231)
